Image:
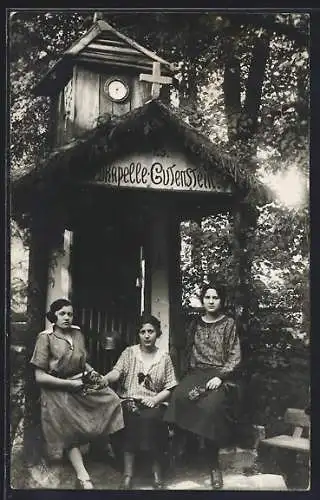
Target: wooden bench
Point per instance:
(300, 421)
(288, 447)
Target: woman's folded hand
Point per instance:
(213, 383)
(75, 384)
(148, 401)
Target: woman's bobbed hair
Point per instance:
(148, 318)
(220, 289)
(56, 306)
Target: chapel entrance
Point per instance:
(124, 261)
(106, 264)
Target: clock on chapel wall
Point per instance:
(116, 89)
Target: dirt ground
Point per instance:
(191, 474)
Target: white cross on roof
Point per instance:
(156, 79)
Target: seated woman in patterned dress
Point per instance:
(146, 377)
(72, 412)
(200, 403)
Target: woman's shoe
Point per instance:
(157, 482)
(126, 482)
(216, 479)
(84, 484)
(157, 479)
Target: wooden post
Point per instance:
(160, 276)
(244, 225)
(59, 277)
(177, 333)
(37, 291)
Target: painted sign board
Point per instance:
(172, 171)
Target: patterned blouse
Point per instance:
(137, 379)
(216, 344)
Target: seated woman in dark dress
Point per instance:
(200, 403)
(146, 376)
(76, 405)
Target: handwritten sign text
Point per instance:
(159, 173)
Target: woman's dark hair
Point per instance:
(220, 289)
(56, 306)
(148, 318)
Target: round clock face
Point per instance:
(116, 89)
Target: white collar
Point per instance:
(50, 329)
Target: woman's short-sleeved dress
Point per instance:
(145, 431)
(72, 418)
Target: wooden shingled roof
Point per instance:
(102, 44)
(121, 135)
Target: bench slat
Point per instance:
(289, 442)
(297, 417)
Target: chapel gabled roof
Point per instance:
(102, 44)
(122, 135)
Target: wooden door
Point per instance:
(106, 286)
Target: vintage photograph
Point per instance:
(159, 331)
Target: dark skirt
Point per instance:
(145, 431)
(211, 416)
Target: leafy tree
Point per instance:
(243, 78)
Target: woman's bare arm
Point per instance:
(162, 396)
(44, 378)
(112, 376)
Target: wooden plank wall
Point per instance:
(94, 323)
(87, 91)
(89, 101)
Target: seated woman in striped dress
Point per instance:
(146, 377)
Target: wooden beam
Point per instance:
(37, 291)
(106, 57)
(107, 27)
(100, 47)
(84, 40)
(97, 16)
(115, 62)
(156, 79)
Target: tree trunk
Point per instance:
(244, 225)
(243, 141)
(188, 92)
(248, 122)
(231, 89)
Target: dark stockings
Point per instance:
(128, 463)
(212, 454)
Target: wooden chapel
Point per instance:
(104, 209)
